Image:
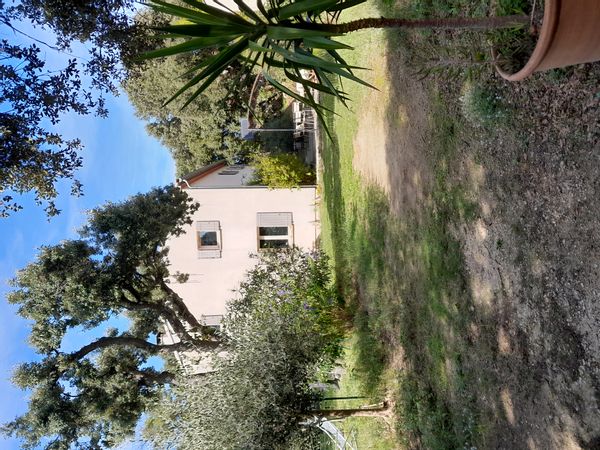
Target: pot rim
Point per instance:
(547, 32)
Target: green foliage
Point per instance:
(362, 377)
(288, 36)
(283, 170)
(239, 151)
(467, 54)
(280, 34)
(507, 7)
(280, 330)
(404, 272)
(202, 132)
(207, 129)
(37, 93)
(483, 105)
(277, 142)
(92, 397)
(298, 286)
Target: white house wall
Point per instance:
(211, 281)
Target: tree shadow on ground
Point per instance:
(501, 360)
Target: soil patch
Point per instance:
(542, 178)
(390, 144)
(532, 254)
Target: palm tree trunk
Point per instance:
(468, 23)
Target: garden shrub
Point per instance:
(280, 331)
(482, 105)
(282, 170)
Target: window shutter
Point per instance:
(212, 320)
(209, 254)
(274, 219)
(208, 225)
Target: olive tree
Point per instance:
(91, 397)
(281, 332)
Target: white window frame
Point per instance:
(274, 220)
(208, 251)
(212, 321)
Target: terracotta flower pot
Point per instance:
(570, 34)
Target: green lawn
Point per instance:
(358, 381)
(402, 277)
(446, 297)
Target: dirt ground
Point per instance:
(532, 255)
(537, 251)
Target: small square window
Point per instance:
(208, 239)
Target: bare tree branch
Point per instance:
(142, 344)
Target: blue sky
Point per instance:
(120, 159)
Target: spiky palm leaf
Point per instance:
(290, 36)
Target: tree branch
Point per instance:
(381, 411)
(183, 311)
(167, 314)
(52, 47)
(164, 377)
(142, 344)
(154, 377)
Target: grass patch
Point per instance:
(365, 381)
(402, 277)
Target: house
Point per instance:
(234, 220)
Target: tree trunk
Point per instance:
(167, 314)
(182, 310)
(174, 311)
(154, 378)
(469, 23)
(351, 412)
(166, 377)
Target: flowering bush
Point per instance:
(294, 286)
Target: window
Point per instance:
(274, 230)
(208, 239)
(212, 321)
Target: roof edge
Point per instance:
(189, 178)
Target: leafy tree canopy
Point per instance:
(35, 95)
(204, 130)
(283, 170)
(281, 332)
(195, 135)
(93, 396)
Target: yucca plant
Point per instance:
(288, 35)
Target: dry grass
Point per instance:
(465, 240)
